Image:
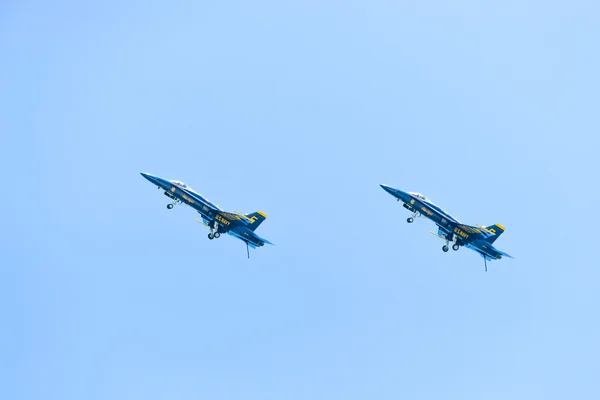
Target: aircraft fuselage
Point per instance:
(218, 220)
(449, 228)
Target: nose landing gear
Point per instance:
(411, 219)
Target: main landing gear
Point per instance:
(455, 246)
(214, 231)
(170, 206)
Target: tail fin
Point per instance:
(496, 230)
(256, 218)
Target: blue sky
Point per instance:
(299, 109)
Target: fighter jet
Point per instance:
(236, 224)
(478, 238)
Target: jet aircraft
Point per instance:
(478, 238)
(236, 224)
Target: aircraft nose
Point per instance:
(387, 189)
(151, 178)
(397, 193)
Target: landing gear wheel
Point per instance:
(211, 236)
(169, 206)
(217, 235)
(455, 247)
(410, 220)
(445, 248)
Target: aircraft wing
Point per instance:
(236, 217)
(470, 229)
(481, 231)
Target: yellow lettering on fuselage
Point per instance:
(188, 199)
(222, 220)
(460, 233)
(426, 211)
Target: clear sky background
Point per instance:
(299, 109)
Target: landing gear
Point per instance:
(455, 246)
(411, 219)
(169, 206)
(214, 231)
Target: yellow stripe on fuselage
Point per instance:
(262, 214)
(501, 227)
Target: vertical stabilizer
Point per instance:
(496, 230)
(256, 218)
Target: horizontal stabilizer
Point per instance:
(273, 244)
(504, 254)
(251, 238)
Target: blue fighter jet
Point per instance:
(477, 238)
(236, 224)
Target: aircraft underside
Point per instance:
(218, 221)
(452, 238)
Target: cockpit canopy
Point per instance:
(422, 198)
(419, 196)
(181, 185)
